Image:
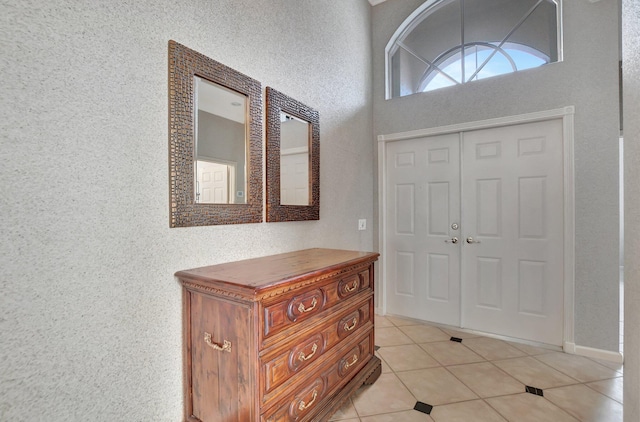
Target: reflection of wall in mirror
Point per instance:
(294, 162)
(223, 139)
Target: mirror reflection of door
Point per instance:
(215, 182)
(221, 151)
(294, 160)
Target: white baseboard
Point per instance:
(569, 348)
(590, 352)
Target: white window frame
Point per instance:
(416, 18)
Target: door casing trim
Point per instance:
(567, 116)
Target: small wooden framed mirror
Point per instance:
(293, 159)
(215, 142)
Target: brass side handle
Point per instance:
(302, 308)
(225, 347)
(348, 289)
(302, 357)
(355, 322)
(305, 406)
(347, 364)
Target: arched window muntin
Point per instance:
(500, 47)
(453, 55)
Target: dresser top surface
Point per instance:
(262, 273)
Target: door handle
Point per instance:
(452, 240)
(472, 240)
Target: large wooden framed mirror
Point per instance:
(215, 142)
(293, 159)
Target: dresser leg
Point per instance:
(376, 372)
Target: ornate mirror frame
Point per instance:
(277, 102)
(184, 64)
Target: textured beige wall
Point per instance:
(631, 99)
(89, 308)
(586, 79)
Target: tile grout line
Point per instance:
(395, 373)
(483, 399)
(577, 381)
(524, 392)
(599, 392)
(492, 362)
(485, 360)
(443, 367)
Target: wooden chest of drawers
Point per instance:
(282, 338)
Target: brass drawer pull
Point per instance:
(347, 364)
(302, 357)
(226, 347)
(302, 308)
(304, 406)
(352, 288)
(346, 325)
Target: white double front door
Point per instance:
(474, 230)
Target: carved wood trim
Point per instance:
(250, 295)
(312, 281)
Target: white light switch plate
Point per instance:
(362, 224)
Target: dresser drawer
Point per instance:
(350, 285)
(350, 362)
(291, 309)
(322, 385)
(279, 366)
(301, 404)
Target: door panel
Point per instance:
(423, 200)
(405, 206)
(489, 207)
(513, 279)
(489, 279)
(438, 278)
(438, 211)
(213, 182)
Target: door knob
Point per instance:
(452, 240)
(472, 240)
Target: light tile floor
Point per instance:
(480, 379)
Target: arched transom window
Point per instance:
(451, 42)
